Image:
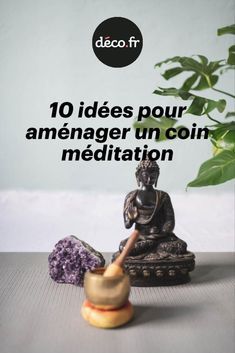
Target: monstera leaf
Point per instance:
(216, 170)
(199, 105)
(231, 51)
(229, 114)
(231, 55)
(223, 137)
(203, 72)
(226, 30)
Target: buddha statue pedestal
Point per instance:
(155, 270)
(159, 256)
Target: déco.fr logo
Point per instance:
(117, 42)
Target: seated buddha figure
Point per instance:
(152, 213)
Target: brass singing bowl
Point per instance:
(106, 292)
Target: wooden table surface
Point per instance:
(38, 315)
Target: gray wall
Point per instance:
(46, 56)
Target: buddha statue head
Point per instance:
(147, 173)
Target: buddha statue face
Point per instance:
(148, 177)
(147, 173)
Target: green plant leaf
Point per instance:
(216, 170)
(231, 55)
(226, 30)
(173, 92)
(203, 83)
(172, 72)
(199, 105)
(203, 71)
(229, 114)
(223, 137)
(204, 60)
(223, 127)
(221, 105)
(188, 84)
(211, 105)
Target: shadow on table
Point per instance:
(150, 313)
(211, 273)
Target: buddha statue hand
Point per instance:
(132, 212)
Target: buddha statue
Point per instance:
(158, 250)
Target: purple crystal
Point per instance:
(71, 258)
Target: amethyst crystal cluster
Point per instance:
(71, 258)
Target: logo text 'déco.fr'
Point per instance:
(107, 42)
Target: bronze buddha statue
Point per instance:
(158, 250)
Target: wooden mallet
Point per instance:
(115, 268)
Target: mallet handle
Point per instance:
(128, 247)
